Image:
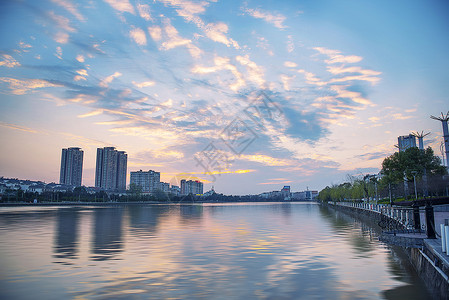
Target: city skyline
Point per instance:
(172, 81)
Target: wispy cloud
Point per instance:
(61, 21)
(174, 40)
(265, 159)
(21, 87)
(223, 63)
(217, 33)
(190, 11)
(335, 56)
(9, 62)
(121, 6)
(70, 7)
(276, 19)
(18, 127)
(105, 82)
(144, 84)
(255, 72)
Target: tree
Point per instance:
(135, 189)
(412, 161)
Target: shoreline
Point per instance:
(18, 204)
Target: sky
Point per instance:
(247, 96)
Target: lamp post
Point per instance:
(414, 182)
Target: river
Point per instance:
(202, 251)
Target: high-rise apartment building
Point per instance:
(71, 166)
(149, 181)
(110, 172)
(191, 187)
(406, 141)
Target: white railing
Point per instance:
(402, 215)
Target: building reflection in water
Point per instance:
(144, 220)
(66, 237)
(286, 209)
(107, 233)
(191, 214)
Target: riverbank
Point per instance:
(426, 255)
(11, 204)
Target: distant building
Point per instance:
(191, 187)
(71, 166)
(175, 190)
(110, 172)
(272, 194)
(406, 141)
(150, 181)
(165, 187)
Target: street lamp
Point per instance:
(414, 182)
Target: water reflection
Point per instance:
(144, 220)
(66, 238)
(256, 251)
(107, 233)
(360, 236)
(191, 214)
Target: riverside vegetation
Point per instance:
(396, 181)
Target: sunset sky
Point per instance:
(166, 80)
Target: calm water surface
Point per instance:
(210, 251)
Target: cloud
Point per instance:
(82, 72)
(9, 61)
(276, 19)
(217, 33)
(255, 72)
(399, 116)
(21, 87)
(143, 84)
(286, 81)
(265, 160)
(70, 7)
(174, 40)
(18, 127)
(105, 82)
(61, 22)
(121, 5)
(290, 44)
(61, 37)
(155, 33)
(336, 57)
(144, 11)
(373, 155)
(290, 64)
(190, 11)
(343, 92)
(312, 79)
(91, 113)
(354, 69)
(78, 78)
(80, 58)
(138, 35)
(223, 63)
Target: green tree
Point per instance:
(409, 162)
(135, 189)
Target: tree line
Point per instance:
(404, 175)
